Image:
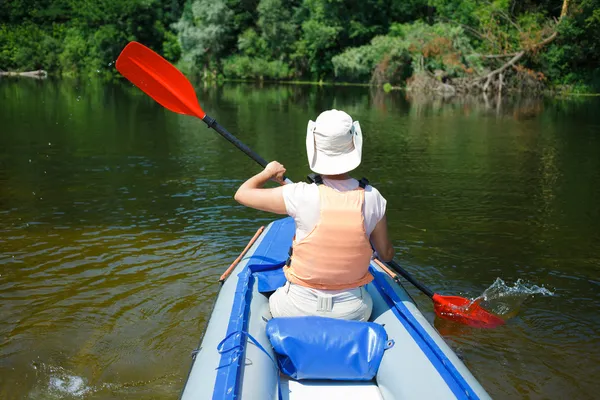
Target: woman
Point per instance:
(339, 220)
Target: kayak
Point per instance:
(236, 359)
(245, 353)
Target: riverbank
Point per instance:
(558, 90)
(426, 91)
(447, 87)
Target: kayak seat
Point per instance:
(326, 348)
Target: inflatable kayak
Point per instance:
(240, 356)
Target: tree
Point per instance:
(574, 57)
(277, 26)
(203, 31)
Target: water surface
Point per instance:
(117, 218)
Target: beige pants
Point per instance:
(294, 300)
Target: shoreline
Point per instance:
(557, 92)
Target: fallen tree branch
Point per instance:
(518, 55)
(40, 73)
(510, 63)
(500, 81)
(544, 42)
(496, 80)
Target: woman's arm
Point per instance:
(252, 194)
(381, 242)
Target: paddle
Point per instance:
(156, 77)
(160, 80)
(454, 308)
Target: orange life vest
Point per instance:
(337, 253)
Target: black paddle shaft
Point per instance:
(212, 123)
(394, 265)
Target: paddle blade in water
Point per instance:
(159, 79)
(465, 311)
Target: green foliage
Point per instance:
(358, 63)
(493, 26)
(318, 46)
(278, 29)
(382, 41)
(251, 44)
(20, 45)
(75, 52)
(574, 58)
(246, 67)
(410, 48)
(507, 26)
(204, 29)
(171, 48)
(76, 37)
(329, 27)
(439, 46)
(461, 12)
(245, 15)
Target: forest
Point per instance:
(442, 45)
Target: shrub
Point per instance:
(245, 67)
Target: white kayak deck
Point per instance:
(317, 390)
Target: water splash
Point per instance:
(505, 301)
(68, 385)
(56, 382)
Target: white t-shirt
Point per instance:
(302, 202)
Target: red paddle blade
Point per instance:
(159, 79)
(465, 311)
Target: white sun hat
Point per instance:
(333, 143)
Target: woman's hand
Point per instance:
(252, 193)
(275, 172)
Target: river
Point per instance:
(117, 218)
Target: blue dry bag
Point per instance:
(327, 348)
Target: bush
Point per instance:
(407, 48)
(245, 67)
(359, 63)
(74, 53)
(22, 47)
(439, 46)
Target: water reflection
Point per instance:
(117, 218)
(516, 106)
